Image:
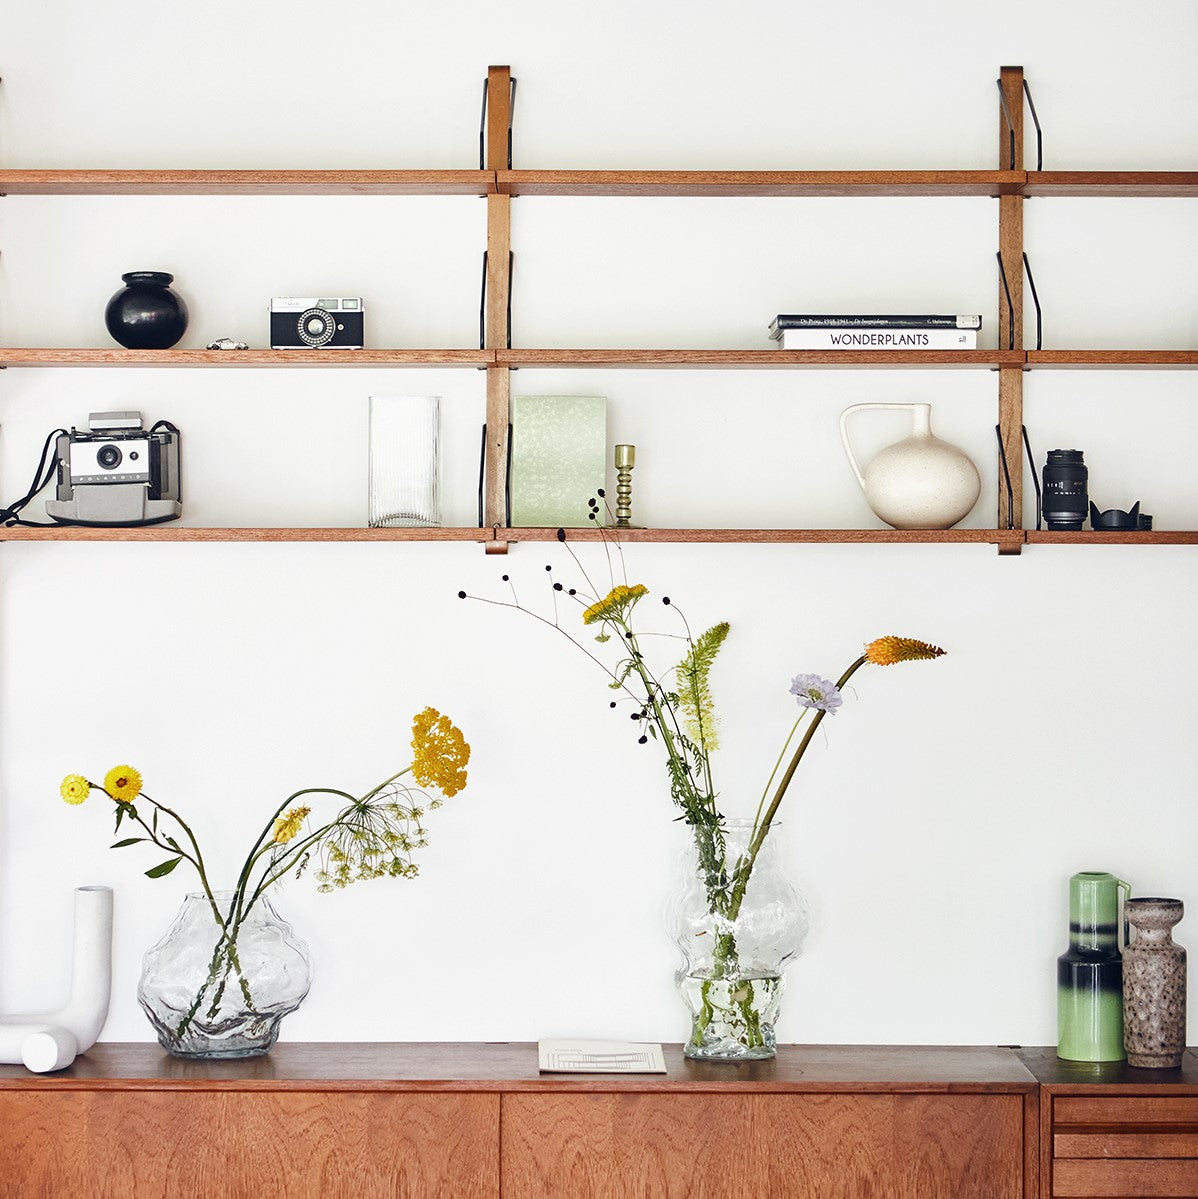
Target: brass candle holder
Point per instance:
(625, 461)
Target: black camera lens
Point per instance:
(109, 456)
(1066, 501)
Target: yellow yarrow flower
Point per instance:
(123, 783)
(888, 651)
(75, 788)
(440, 752)
(287, 825)
(615, 604)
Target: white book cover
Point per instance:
(599, 1057)
(879, 339)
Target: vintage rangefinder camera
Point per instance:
(117, 473)
(318, 323)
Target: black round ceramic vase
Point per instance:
(145, 314)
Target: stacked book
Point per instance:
(903, 332)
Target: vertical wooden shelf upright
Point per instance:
(1010, 315)
(495, 317)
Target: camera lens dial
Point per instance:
(316, 327)
(109, 456)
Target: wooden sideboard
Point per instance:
(472, 1121)
(466, 1121)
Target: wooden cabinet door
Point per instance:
(706, 1146)
(111, 1144)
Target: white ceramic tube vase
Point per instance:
(45, 1041)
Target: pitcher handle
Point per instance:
(844, 433)
(1121, 924)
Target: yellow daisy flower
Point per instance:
(287, 825)
(616, 604)
(123, 783)
(887, 651)
(440, 752)
(75, 788)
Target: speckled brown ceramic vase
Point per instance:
(1154, 985)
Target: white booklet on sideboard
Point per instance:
(599, 1057)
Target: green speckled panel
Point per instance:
(559, 459)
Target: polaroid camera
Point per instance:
(117, 473)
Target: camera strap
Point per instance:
(41, 477)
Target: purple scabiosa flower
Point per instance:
(813, 692)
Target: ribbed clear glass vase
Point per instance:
(405, 485)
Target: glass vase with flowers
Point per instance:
(737, 919)
(229, 968)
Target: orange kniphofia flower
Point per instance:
(887, 651)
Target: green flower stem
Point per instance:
(744, 868)
(262, 845)
(773, 773)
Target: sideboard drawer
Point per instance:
(1125, 1109)
(1142, 1178)
(1106, 1145)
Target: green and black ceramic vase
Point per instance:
(1090, 972)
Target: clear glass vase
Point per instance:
(735, 938)
(218, 989)
(405, 481)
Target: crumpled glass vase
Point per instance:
(221, 992)
(734, 947)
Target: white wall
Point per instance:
(935, 825)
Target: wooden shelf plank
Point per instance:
(765, 359)
(1117, 359)
(176, 532)
(1001, 537)
(760, 183)
(1114, 537)
(1112, 183)
(1007, 540)
(49, 357)
(245, 183)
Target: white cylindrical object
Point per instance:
(51, 1040)
(91, 968)
(51, 1049)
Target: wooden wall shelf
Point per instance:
(176, 532)
(1113, 359)
(246, 183)
(608, 359)
(1000, 537)
(1112, 183)
(759, 183)
(774, 359)
(500, 184)
(242, 358)
(1114, 537)
(1007, 540)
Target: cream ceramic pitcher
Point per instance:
(920, 482)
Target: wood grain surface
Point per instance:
(1125, 1179)
(237, 1145)
(730, 1147)
(512, 1066)
(245, 183)
(760, 183)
